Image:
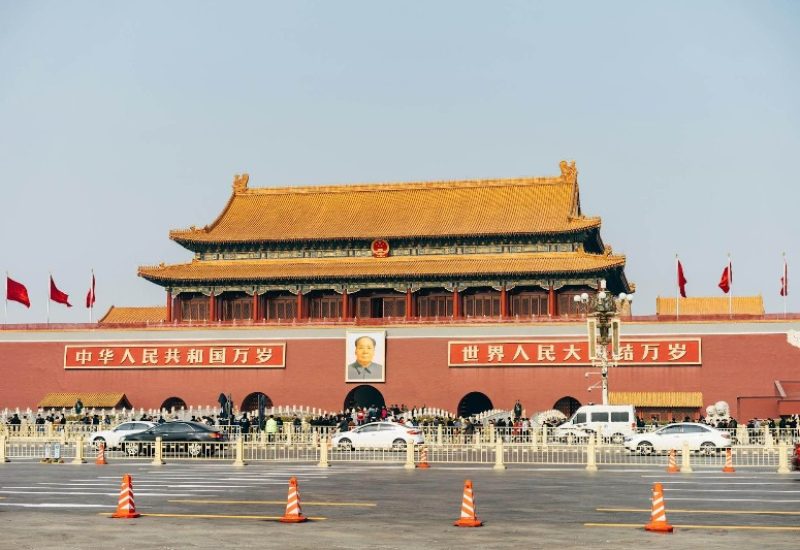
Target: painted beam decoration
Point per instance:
(566, 353)
(200, 355)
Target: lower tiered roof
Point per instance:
(393, 267)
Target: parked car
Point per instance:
(378, 435)
(113, 437)
(199, 438)
(700, 437)
(614, 421)
(796, 457)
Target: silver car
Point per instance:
(699, 437)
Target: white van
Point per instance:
(614, 421)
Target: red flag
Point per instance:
(90, 296)
(681, 279)
(58, 296)
(17, 292)
(726, 279)
(785, 280)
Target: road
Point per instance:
(202, 505)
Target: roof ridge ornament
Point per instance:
(240, 182)
(569, 172)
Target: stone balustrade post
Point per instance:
(324, 444)
(409, 465)
(498, 455)
(78, 451)
(783, 460)
(239, 460)
(686, 465)
(591, 458)
(158, 455)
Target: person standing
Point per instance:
(271, 428)
(244, 424)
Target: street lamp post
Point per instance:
(603, 326)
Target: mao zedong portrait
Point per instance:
(364, 368)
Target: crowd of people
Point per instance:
(513, 424)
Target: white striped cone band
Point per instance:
(293, 503)
(658, 513)
(467, 505)
(126, 499)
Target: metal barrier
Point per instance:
(305, 447)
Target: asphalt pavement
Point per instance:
(201, 505)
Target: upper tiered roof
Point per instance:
(518, 206)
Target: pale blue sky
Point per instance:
(122, 120)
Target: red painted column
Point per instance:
(255, 306)
(503, 302)
(169, 306)
(409, 313)
(552, 310)
(299, 313)
(456, 312)
(345, 305)
(212, 307)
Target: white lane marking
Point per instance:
(114, 494)
(788, 482)
(770, 491)
(52, 505)
(729, 477)
(670, 499)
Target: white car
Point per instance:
(113, 437)
(378, 435)
(700, 437)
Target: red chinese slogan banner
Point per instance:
(177, 356)
(541, 353)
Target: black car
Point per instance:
(182, 436)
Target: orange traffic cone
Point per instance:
(293, 513)
(658, 516)
(101, 455)
(672, 465)
(126, 509)
(728, 469)
(468, 516)
(423, 459)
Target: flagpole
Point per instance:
(91, 302)
(730, 282)
(48, 298)
(677, 290)
(5, 307)
(785, 284)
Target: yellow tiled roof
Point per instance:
(472, 207)
(716, 305)
(406, 266)
(685, 399)
(134, 315)
(105, 400)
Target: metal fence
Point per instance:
(475, 452)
